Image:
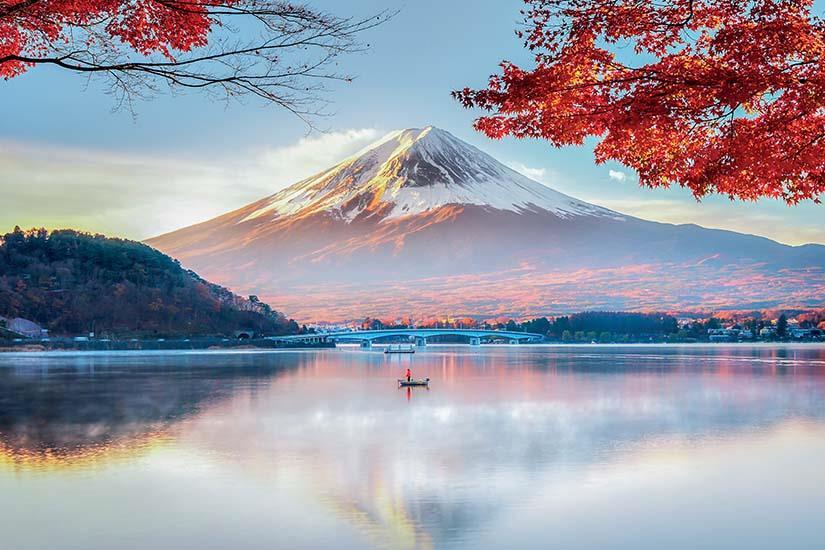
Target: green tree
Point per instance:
(713, 322)
(782, 326)
(560, 324)
(537, 326)
(566, 336)
(74, 282)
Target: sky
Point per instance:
(68, 160)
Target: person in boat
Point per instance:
(408, 374)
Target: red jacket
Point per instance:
(408, 374)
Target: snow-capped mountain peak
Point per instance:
(416, 170)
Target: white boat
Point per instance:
(399, 349)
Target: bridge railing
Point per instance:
(431, 333)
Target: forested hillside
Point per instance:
(73, 283)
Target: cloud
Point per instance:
(617, 175)
(537, 174)
(555, 180)
(549, 177)
(286, 165)
(106, 192)
(140, 196)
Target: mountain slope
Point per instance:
(423, 223)
(73, 282)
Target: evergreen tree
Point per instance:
(782, 326)
(73, 283)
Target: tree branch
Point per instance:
(282, 56)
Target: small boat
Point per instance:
(399, 349)
(404, 383)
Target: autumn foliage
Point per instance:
(720, 97)
(30, 28)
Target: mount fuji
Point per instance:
(421, 223)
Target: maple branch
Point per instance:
(11, 9)
(283, 55)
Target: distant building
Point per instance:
(723, 334)
(804, 333)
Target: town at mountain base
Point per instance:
(423, 224)
(72, 283)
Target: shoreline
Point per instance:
(198, 344)
(268, 345)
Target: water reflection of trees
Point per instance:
(90, 404)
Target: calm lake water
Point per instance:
(511, 447)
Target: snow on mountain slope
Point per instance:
(412, 171)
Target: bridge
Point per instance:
(417, 335)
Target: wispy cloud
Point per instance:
(617, 175)
(549, 177)
(538, 174)
(139, 196)
(310, 155)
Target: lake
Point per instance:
(511, 447)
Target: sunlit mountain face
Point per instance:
(422, 223)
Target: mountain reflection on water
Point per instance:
(320, 448)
